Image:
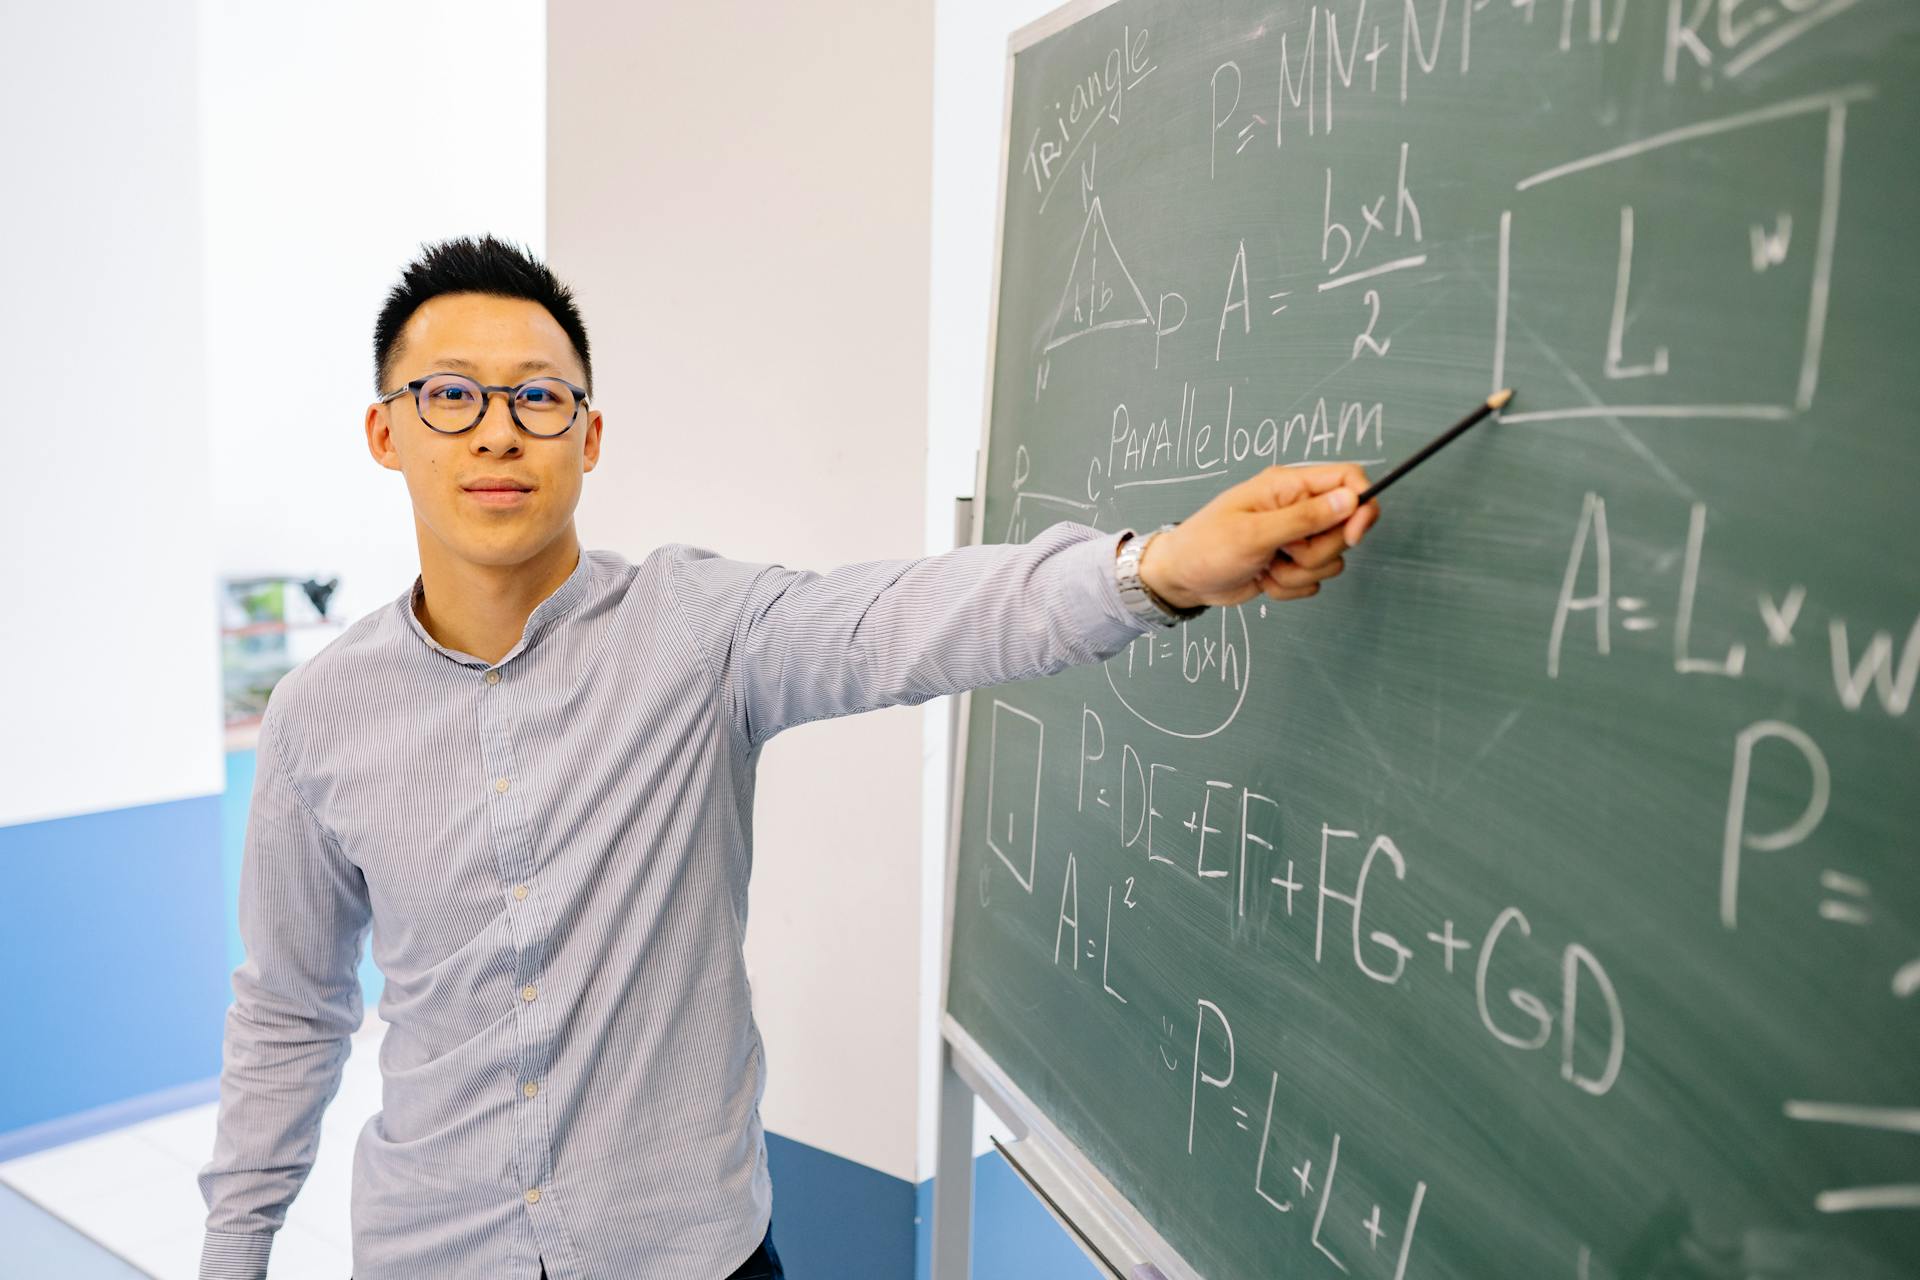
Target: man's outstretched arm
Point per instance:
(788, 646)
(303, 916)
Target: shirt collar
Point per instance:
(555, 606)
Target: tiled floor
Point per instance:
(133, 1190)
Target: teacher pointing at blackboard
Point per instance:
(532, 774)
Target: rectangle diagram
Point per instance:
(1014, 755)
(1677, 276)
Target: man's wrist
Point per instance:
(1137, 594)
(1155, 578)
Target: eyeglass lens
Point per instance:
(449, 402)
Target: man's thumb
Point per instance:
(1307, 517)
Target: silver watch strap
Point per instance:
(1139, 599)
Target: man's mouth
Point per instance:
(497, 493)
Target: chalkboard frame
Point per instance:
(1079, 1191)
(1101, 1220)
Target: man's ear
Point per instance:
(590, 448)
(380, 436)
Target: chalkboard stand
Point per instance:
(1053, 1207)
(1078, 1196)
(953, 1168)
(1076, 1193)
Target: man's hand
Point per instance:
(1231, 549)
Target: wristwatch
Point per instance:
(1135, 594)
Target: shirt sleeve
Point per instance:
(793, 645)
(304, 913)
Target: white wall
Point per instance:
(206, 202)
(338, 138)
(739, 194)
(969, 94)
(108, 643)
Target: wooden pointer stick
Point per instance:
(1496, 401)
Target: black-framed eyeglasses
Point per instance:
(451, 403)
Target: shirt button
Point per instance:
(520, 892)
(527, 992)
(533, 1195)
(529, 1088)
(500, 785)
(493, 677)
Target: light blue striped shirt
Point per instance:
(552, 852)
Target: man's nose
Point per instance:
(496, 427)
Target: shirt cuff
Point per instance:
(1110, 625)
(228, 1255)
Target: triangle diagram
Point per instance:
(1100, 292)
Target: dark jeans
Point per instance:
(762, 1264)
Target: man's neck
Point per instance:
(482, 609)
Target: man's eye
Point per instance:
(453, 395)
(537, 395)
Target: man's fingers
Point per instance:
(1320, 548)
(1275, 592)
(1278, 487)
(1284, 574)
(1360, 521)
(1304, 518)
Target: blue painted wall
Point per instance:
(115, 945)
(124, 934)
(1014, 1237)
(834, 1217)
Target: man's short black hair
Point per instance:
(467, 265)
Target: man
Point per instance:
(532, 776)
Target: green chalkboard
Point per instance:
(1543, 899)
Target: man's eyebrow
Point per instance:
(525, 366)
